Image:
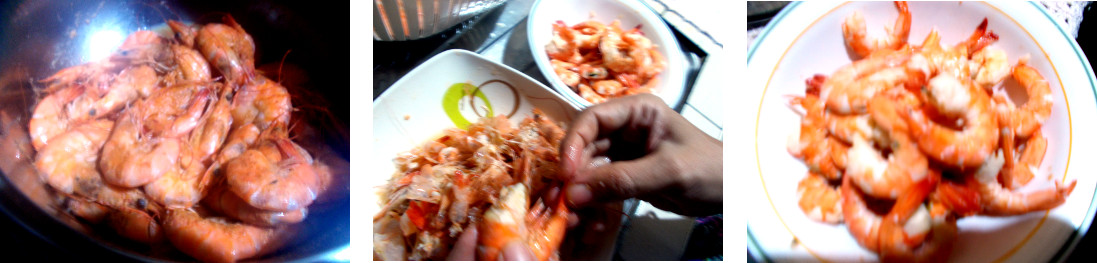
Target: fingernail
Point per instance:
(579, 194)
(516, 251)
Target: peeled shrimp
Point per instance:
(863, 224)
(1019, 173)
(819, 200)
(1000, 201)
(590, 95)
(70, 160)
(856, 34)
(848, 90)
(276, 175)
(813, 145)
(993, 67)
(978, 138)
(1027, 118)
(586, 34)
(214, 239)
(563, 46)
(607, 88)
(910, 233)
(563, 70)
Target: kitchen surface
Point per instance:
(500, 34)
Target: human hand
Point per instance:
(656, 155)
(465, 248)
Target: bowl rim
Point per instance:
(674, 57)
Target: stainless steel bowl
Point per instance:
(37, 38)
(397, 20)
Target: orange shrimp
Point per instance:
(223, 201)
(262, 102)
(182, 185)
(968, 147)
(214, 128)
(135, 225)
(275, 175)
(586, 34)
(617, 53)
(590, 95)
(71, 159)
(848, 90)
(607, 88)
(192, 66)
(511, 220)
(131, 158)
(237, 143)
(563, 46)
(565, 72)
(214, 239)
(176, 110)
(999, 201)
(50, 118)
(909, 233)
(229, 49)
(1029, 117)
(862, 222)
(183, 33)
(819, 200)
(1018, 173)
(130, 84)
(814, 146)
(856, 34)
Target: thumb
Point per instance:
(623, 179)
(516, 251)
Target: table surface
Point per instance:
(500, 35)
(1087, 40)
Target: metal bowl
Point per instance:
(40, 37)
(396, 20)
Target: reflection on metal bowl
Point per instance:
(299, 43)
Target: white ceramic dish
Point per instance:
(631, 13)
(806, 39)
(414, 110)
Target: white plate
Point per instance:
(413, 111)
(672, 81)
(805, 39)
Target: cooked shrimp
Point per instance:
(214, 239)
(848, 90)
(1001, 202)
(607, 88)
(910, 233)
(276, 175)
(1028, 117)
(563, 46)
(862, 222)
(510, 220)
(192, 66)
(590, 95)
(993, 67)
(182, 185)
(978, 138)
(586, 34)
(856, 34)
(208, 138)
(70, 160)
(183, 33)
(262, 102)
(238, 141)
(813, 144)
(135, 225)
(819, 200)
(845, 127)
(126, 88)
(1019, 173)
(223, 201)
(593, 72)
(229, 49)
(50, 118)
(565, 72)
(617, 54)
(131, 158)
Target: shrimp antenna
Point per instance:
(282, 63)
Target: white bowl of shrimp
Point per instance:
(445, 100)
(806, 40)
(612, 74)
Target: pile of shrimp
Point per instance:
(178, 140)
(906, 140)
(600, 62)
(485, 176)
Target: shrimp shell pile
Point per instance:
(600, 62)
(177, 140)
(489, 175)
(906, 140)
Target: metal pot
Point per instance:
(37, 38)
